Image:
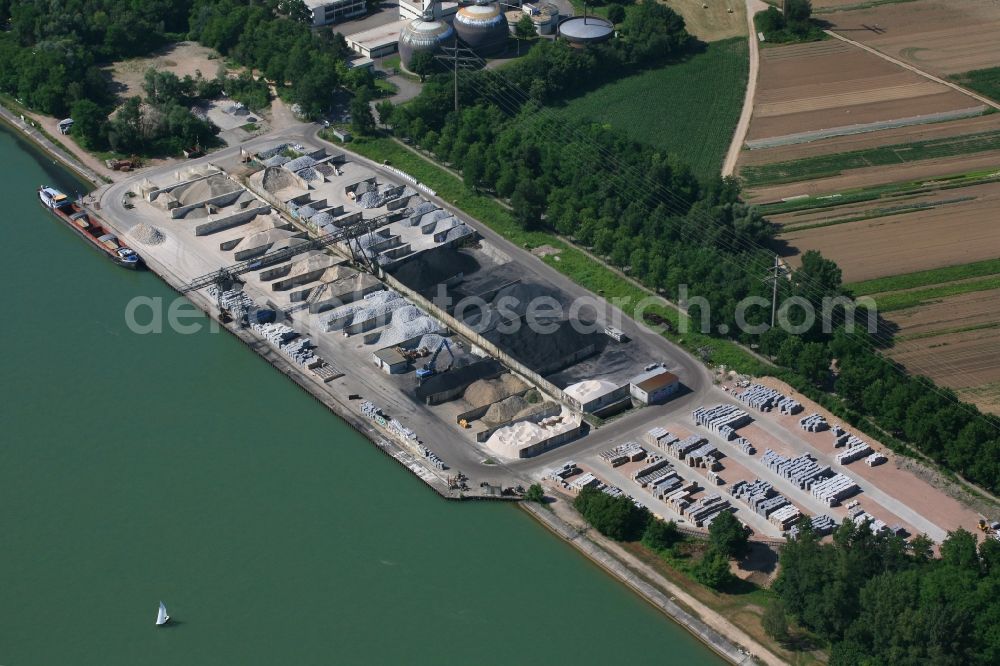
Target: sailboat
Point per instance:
(161, 616)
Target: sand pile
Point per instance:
(206, 188)
(509, 441)
(146, 234)
(488, 391)
(312, 261)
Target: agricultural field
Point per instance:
(821, 86)
(688, 109)
(942, 37)
(906, 242)
(712, 23)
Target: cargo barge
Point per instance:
(75, 217)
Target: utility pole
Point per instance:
(458, 57)
(774, 273)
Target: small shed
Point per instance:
(390, 360)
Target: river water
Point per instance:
(135, 468)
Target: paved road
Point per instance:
(740, 135)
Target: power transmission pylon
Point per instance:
(458, 57)
(774, 273)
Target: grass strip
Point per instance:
(924, 278)
(902, 300)
(947, 331)
(824, 166)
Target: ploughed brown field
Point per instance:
(908, 242)
(939, 36)
(955, 341)
(830, 84)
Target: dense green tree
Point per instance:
(535, 493)
(728, 535)
(713, 569)
(89, 124)
(422, 64)
(384, 109)
(615, 517)
(362, 119)
(616, 13)
(660, 534)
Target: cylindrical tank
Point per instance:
(582, 30)
(483, 27)
(423, 35)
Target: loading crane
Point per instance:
(430, 368)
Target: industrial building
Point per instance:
(428, 10)
(654, 386)
(325, 12)
(377, 42)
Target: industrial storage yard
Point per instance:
(467, 404)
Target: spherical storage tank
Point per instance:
(483, 27)
(581, 30)
(423, 35)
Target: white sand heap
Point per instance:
(265, 238)
(585, 391)
(146, 234)
(508, 442)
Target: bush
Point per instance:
(660, 535)
(713, 569)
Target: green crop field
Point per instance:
(689, 109)
(900, 300)
(983, 81)
(925, 278)
(823, 166)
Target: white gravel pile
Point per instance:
(147, 234)
(508, 442)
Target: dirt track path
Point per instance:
(739, 136)
(904, 65)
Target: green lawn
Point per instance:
(689, 109)
(823, 166)
(983, 81)
(925, 278)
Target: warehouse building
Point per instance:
(654, 386)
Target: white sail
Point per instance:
(161, 616)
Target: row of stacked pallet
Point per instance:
(764, 399)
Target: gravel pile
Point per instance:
(146, 234)
(488, 391)
(506, 409)
(276, 179)
(206, 188)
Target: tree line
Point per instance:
(645, 213)
(878, 601)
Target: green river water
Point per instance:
(135, 468)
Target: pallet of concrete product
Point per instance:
(814, 423)
(784, 517)
(835, 489)
(326, 372)
(651, 472)
(855, 452)
(655, 436)
(665, 485)
(721, 416)
(564, 471)
(587, 480)
(875, 459)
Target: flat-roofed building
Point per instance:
(325, 12)
(377, 42)
(653, 386)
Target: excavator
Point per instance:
(430, 368)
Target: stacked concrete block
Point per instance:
(665, 485)
(814, 423)
(784, 517)
(623, 453)
(564, 471)
(649, 473)
(654, 436)
(681, 448)
(855, 452)
(703, 456)
(821, 526)
(803, 471)
(835, 489)
(707, 506)
(745, 446)
(765, 399)
(722, 419)
(875, 459)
